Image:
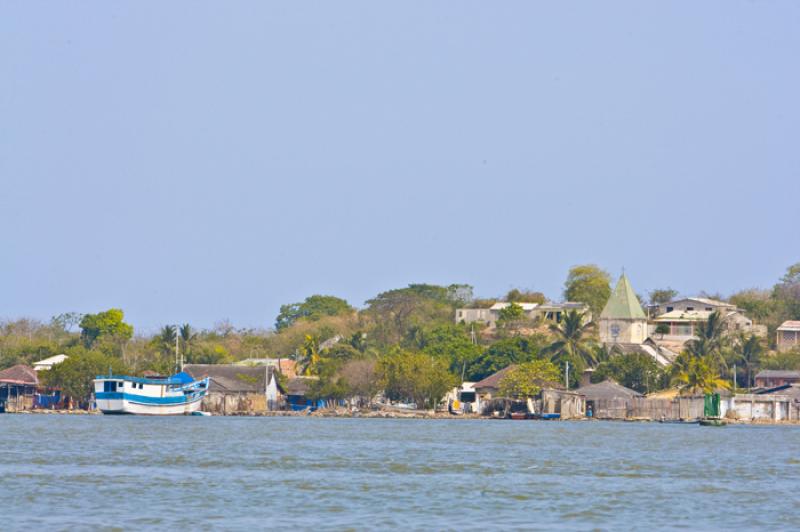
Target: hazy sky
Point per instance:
(195, 161)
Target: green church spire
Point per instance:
(623, 303)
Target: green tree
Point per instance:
(74, 376)
(662, 329)
(312, 309)
(108, 323)
(510, 314)
(516, 295)
(451, 343)
(417, 376)
(572, 341)
(787, 293)
(637, 371)
(785, 360)
(526, 380)
(757, 304)
(588, 284)
(660, 296)
(398, 314)
(503, 353)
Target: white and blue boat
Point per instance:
(179, 394)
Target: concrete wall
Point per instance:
(768, 407)
(235, 403)
(472, 315)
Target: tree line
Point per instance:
(405, 342)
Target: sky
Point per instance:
(199, 161)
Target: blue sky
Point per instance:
(192, 162)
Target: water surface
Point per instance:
(89, 472)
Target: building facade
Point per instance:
(788, 335)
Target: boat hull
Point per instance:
(125, 405)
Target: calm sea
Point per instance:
(89, 472)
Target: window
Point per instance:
(670, 309)
(689, 309)
(710, 309)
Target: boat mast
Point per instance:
(178, 365)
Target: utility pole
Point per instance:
(734, 378)
(566, 376)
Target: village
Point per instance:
(681, 332)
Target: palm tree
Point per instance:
(187, 337)
(572, 340)
(699, 376)
(710, 340)
(750, 350)
(309, 355)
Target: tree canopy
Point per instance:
(105, 324)
(312, 308)
(588, 284)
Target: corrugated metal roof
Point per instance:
(231, 377)
(777, 374)
(608, 389)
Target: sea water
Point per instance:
(105, 472)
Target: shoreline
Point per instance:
(422, 415)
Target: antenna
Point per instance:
(178, 365)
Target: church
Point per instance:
(623, 321)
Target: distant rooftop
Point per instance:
(790, 325)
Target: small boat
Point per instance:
(167, 396)
(713, 422)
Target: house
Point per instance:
(48, 363)
(788, 335)
(681, 325)
(623, 320)
(235, 389)
(489, 388)
(463, 399)
(296, 390)
(532, 311)
(691, 304)
(608, 399)
(770, 378)
(18, 388)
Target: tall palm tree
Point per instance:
(709, 340)
(572, 340)
(187, 335)
(749, 353)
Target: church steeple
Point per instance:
(623, 303)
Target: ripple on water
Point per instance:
(240, 473)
